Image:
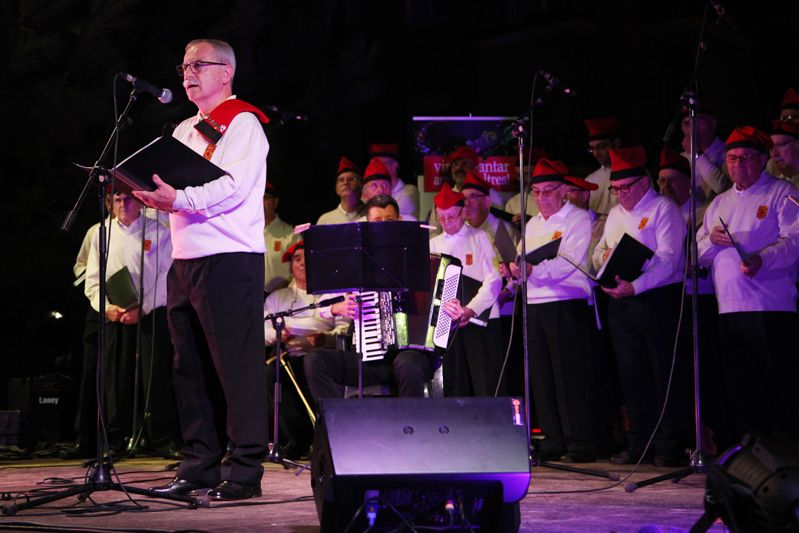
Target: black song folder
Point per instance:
(120, 291)
(626, 261)
(544, 252)
(174, 162)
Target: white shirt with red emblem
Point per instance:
(279, 236)
(554, 280)
(656, 222)
(124, 250)
(476, 253)
(763, 222)
(407, 197)
(227, 214)
(308, 322)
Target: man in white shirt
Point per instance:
(755, 278)
(560, 323)
(473, 361)
(329, 371)
(643, 313)
(603, 134)
(785, 152)
(349, 182)
(406, 194)
(710, 172)
(125, 251)
(303, 332)
(279, 236)
(216, 283)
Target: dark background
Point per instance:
(359, 69)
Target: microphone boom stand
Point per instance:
(98, 478)
(519, 131)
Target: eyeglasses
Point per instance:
(616, 189)
(738, 159)
(545, 193)
(599, 147)
(473, 197)
(195, 66)
(788, 117)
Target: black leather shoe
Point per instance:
(577, 457)
(629, 456)
(177, 487)
(233, 490)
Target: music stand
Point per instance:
(362, 256)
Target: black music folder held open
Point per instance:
(544, 252)
(626, 261)
(120, 291)
(173, 161)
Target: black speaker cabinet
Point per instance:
(458, 463)
(47, 407)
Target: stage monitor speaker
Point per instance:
(456, 463)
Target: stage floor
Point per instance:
(287, 504)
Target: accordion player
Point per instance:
(410, 319)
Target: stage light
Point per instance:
(754, 486)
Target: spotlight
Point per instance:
(754, 486)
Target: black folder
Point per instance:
(626, 261)
(120, 290)
(173, 161)
(468, 289)
(504, 244)
(542, 253)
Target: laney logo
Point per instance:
(48, 401)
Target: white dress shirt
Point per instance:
(601, 200)
(710, 169)
(407, 197)
(556, 279)
(224, 215)
(279, 236)
(476, 253)
(339, 216)
(656, 222)
(309, 322)
(124, 250)
(763, 222)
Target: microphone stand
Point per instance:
(98, 477)
(689, 99)
(521, 127)
(279, 324)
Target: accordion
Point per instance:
(410, 319)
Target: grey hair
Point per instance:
(223, 51)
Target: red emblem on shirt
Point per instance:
(469, 259)
(557, 235)
(278, 245)
(147, 245)
(762, 211)
(643, 223)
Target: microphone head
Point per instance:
(166, 96)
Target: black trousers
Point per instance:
(761, 371)
(215, 309)
(329, 371)
(473, 361)
(563, 374)
(155, 371)
(643, 329)
(295, 426)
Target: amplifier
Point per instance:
(47, 408)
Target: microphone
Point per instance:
(287, 115)
(164, 95)
(325, 303)
(721, 12)
(554, 83)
